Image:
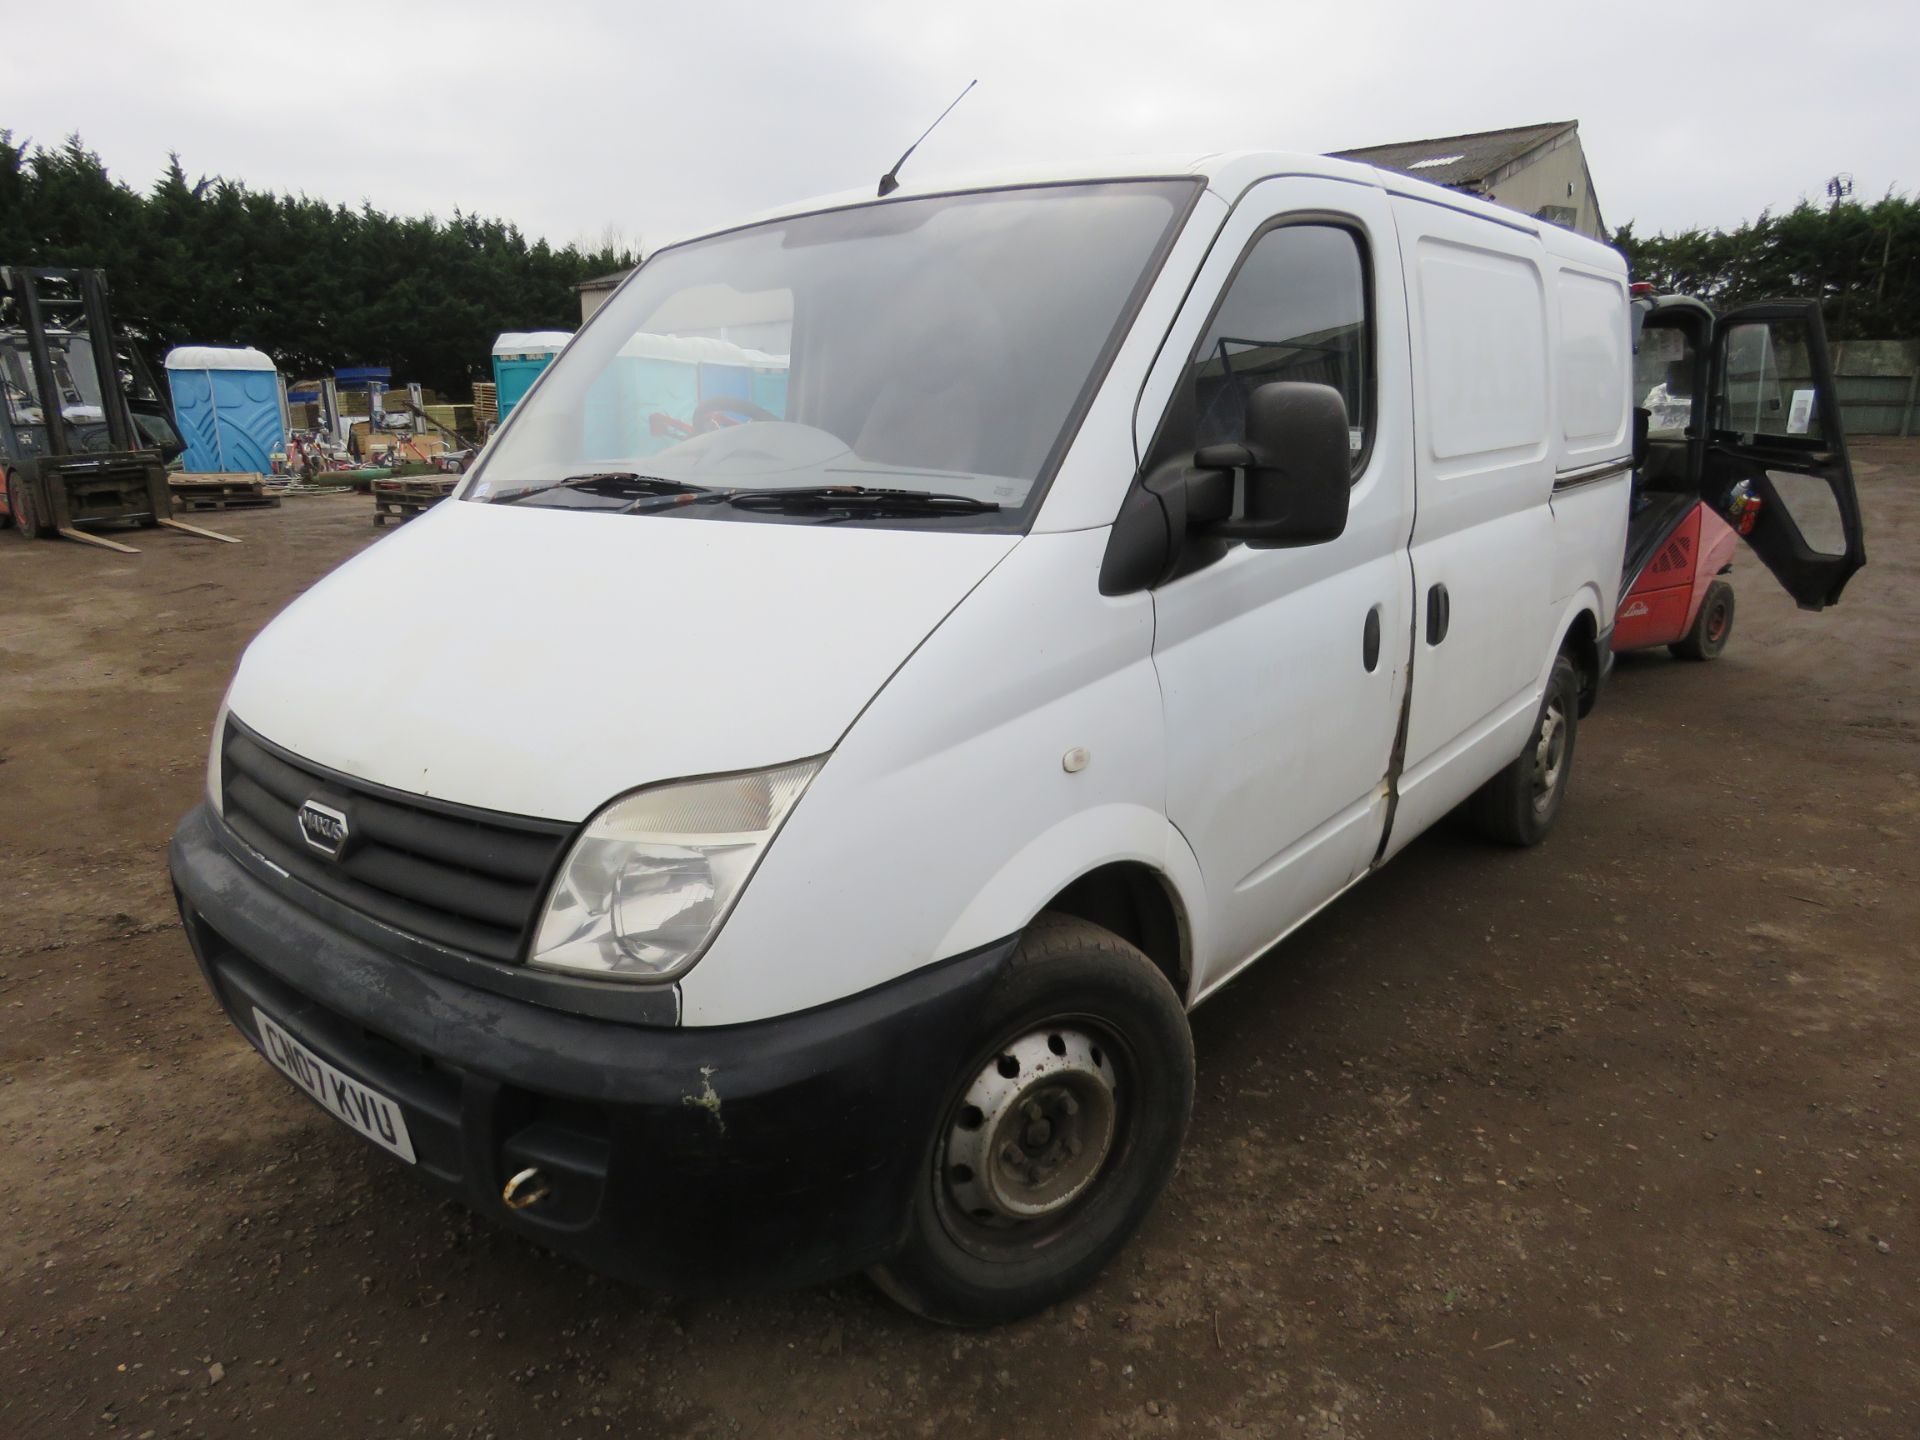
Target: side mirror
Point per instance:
(1296, 464)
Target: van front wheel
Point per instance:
(1519, 805)
(1057, 1135)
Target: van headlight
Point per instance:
(649, 881)
(216, 788)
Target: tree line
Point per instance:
(315, 285)
(1861, 261)
(318, 285)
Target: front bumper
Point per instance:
(699, 1161)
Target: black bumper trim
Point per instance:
(701, 1160)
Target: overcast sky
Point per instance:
(571, 117)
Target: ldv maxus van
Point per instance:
(902, 656)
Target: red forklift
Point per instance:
(1740, 440)
(87, 435)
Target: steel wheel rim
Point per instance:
(997, 1204)
(1717, 622)
(1549, 753)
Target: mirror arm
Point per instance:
(1239, 530)
(1222, 457)
(1158, 520)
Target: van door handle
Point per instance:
(1370, 641)
(1439, 614)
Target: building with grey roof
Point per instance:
(1540, 170)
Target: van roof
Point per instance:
(1227, 173)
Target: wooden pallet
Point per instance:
(195, 493)
(401, 500)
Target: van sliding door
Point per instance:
(1483, 541)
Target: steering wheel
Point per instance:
(706, 415)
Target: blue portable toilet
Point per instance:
(647, 399)
(518, 358)
(227, 404)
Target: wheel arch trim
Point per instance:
(1579, 628)
(1081, 845)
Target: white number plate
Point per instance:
(367, 1111)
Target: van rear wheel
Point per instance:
(1057, 1135)
(1519, 805)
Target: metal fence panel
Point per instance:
(1876, 404)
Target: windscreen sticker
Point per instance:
(1800, 412)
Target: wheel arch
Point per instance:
(1580, 640)
(1137, 903)
(1119, 866)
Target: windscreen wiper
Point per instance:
(610, 482)
(855, 499)
(841, 501)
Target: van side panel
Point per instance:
(1594, 364)
(1483, 344)
(1591, 484)
(1483, 544)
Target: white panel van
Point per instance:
(902, 656)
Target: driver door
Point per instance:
(1776, 466)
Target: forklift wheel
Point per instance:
(21, 505)
(1711, 627)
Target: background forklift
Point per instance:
(1742, 442)
(87, 435)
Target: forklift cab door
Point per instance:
(1775, 465)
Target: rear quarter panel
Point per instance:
(1593, 363)
(1589, 548)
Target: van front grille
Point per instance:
(470, 880)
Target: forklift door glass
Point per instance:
(1766, 383)
(1811, 505)
(1663, 381)
(16, 371)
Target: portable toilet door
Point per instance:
(227, 404)
(518, 358)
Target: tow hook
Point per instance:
(529, 1187)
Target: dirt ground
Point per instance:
(1614, 1137)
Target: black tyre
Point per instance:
(1712, 627)
(20, 502)
(1057, 1135)
(1518, 806)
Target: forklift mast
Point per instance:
(24, 287)
(60, 489)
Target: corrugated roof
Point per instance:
(1460, 159)
(603, 282)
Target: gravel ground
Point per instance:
(1613, 1137)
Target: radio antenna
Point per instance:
(890, 181)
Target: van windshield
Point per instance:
(944, 345)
